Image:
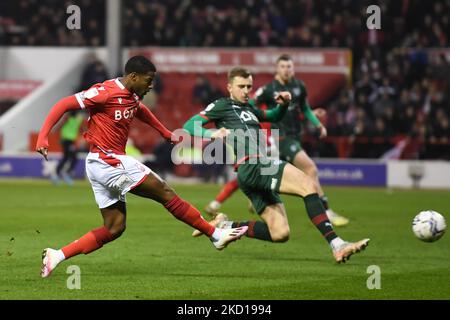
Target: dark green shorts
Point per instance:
(261, 182)
(288, 148)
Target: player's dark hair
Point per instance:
(284, 57)
(238, 72)
(139, 65)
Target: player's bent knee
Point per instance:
(312, 171)
(280, 235)
(309, 186)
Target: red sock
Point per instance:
(185, 212)
(228, 189)
(91, 241)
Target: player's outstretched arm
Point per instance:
(146, 116)
(311, 116)
(57, 111)
(195, 127)
(276, 114)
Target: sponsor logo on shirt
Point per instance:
(92, 92)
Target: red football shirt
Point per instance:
(111, 109)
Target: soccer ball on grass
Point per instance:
(429, 225)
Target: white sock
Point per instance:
(216, 234)
(336, 243)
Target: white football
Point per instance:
(429, 225)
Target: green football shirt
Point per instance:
(243, 120)
(290, 124)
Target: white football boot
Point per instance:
(227, 236)
(343, 252)
(50, 259)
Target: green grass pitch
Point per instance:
(156, 257)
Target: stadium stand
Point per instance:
(400, 81)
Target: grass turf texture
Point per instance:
(156, 258)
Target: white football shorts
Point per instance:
(112, 176)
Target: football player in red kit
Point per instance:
(112, 105)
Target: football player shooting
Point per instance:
(261, 187)
(290, 126)
(112, 105)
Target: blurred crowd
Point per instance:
(44, 23)
(401, 95)
(289, 23)
(243, 23)
(397, 89)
